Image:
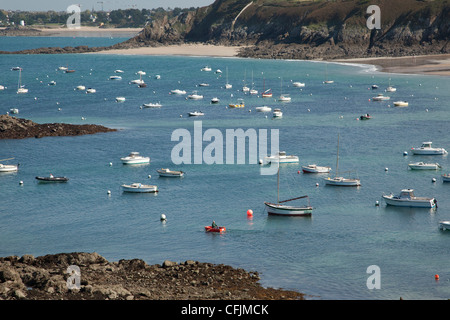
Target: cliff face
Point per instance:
(306, 29)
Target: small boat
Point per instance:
(115, 78)
(169, 173)
(253, 91)
(380, 97)
(281, 157)
(424, 166)
(8, 167)
(203, 84)
(263, 109)
(406, 198)
(313, 168)
(157, 77)
(62, 68)
(206, 68)
(277, 113)
(52, 83)
(446, 177)
(142, 73)
(69, 71)
(196, 114)
(391, 89)
(245, 89)
(135, 158)
(284, 98)
(195, 96)
(81, 88)
(239, 104)
(328, 81)
(91, 90)
(120, 99)
(52, 178)
(137, 81)
(374, 87)
(365, 117)
(139, 188)
(217, 229)
(14, 110)
(444, 225)
(267, 93)
(118, 71)
(2, 87)
(427, 149)
(215, 100)
(177, 91)
(298, 84)
(20, 88)
(142, 85)
(152, 105)
(401, 103)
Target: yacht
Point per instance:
(135, 158)
(427, 149)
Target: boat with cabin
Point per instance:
(139, 188)
(427, 149)
(135, 158)
(406, 198)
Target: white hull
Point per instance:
(446, 177)
(195, 97)
(178, 91)
(444, 225)
(345, 182)
(135, 158)
(401, 103)
(8, 168)
(298, 84)
(416, 203)
(263, 109)
(283, 210)
(139, 188)
(170, 173)
(281, 159)
(424, 166)
(312, 168)
(152, 105)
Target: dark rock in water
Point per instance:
(51, 277)
(16, 128)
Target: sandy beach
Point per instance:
(179, 50)
(429, 65)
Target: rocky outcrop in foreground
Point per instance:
(16, 128)
(46, 278)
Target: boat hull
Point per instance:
(175, 174)
(139, 188)
(283, 210)
(414, 203)
(8, 168)
(430, 166)
(217, 230)
(342, 182)
(446, 178)
(431, 151)
(315, 169)
(52, 179)
(444, 225)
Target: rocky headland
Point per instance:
(48, 278)
(17, 128)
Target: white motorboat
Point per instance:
(298, 84)
(374, 87)
(313, 168)
(196, 114)
(444, 225)
(135, 158)
(277, 113)
(284, 98)
(406, 198)
(206, 68)
(142, 73)
(139, 188)
(91, 90)
(115, 78)
(263, 109)
(203, 84)
(341, 181)
(424, 166)
(152, 105)
(380, 97)
(120, 99)
(253, 91)
(52, 83)
(281, 157)
(14, 110)
(215, 100)
(401, 103)
(137, 81)
(245, 89)
(118, 71)
(178, 91)
(169, 173)
(2, 87)
(195, 96)
(8, 167)
(328, 81)
(391, 89)
(63, 68)
(446, 177)
(427, 149)
(80, 88)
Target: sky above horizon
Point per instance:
(61, 5)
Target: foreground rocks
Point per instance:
(16, 128)
(46, 278)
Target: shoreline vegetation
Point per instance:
(433, 64)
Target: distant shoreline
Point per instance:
(34, 31)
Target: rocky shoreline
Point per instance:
(17, 128)
(47, 278)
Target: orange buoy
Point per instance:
(249, 212)
(436, 277)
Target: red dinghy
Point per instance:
(217, 229)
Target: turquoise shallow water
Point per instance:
(325, 256)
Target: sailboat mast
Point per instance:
(337, 158)
(278, 182)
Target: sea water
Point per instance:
(326, 256)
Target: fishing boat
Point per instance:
(263, 109)
(313, 168)
(52, 178)
(139, 188)
(406, 198)
(135, 158)
(239, 104)
(444, 225)
(446, 177)
(277, 113)
(169, 173)
(281, 209)
(152, 105)
(401, 103)
(20, 87)
(424, 166)
(427, 149)
(281, 157)
(380, 97)
(196, 114)
(341, 181)
(216, 229)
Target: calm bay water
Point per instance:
(325, 256)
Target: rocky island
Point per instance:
(17, 128)
(46, 278)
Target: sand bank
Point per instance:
(179, 50)
(89, 32)
(428, 65)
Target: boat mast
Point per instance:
(337, 157)
(278, 182)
